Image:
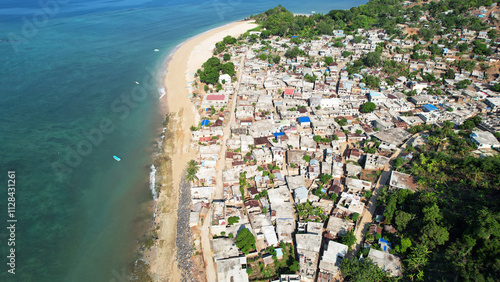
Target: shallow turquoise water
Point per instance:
(80, 214)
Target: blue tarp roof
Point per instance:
(382, 240)
(278, 134)
(429, 107)
(205, 122)
(304, 119)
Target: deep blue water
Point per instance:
(65, 74)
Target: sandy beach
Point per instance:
(177, 149)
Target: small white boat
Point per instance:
(156, 50)
(136, 82)
(117, 158)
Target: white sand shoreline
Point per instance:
(181, 63)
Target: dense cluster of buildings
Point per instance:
(273, 158)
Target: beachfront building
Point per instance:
(288, 131)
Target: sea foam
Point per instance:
(152, 182)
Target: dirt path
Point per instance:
(369, 211)
(207, 248)
(219, 187)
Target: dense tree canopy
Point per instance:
(245, 241)
(453, 223)
(362, 271)
(368, 107)
(212, 69)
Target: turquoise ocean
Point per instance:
(69, 101)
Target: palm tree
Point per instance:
(447, 128)
(192, 169)
(191, 177)
(193, 166)
(434, 140)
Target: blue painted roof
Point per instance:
(304, 119)
(205, 122)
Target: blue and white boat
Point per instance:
(117, 158)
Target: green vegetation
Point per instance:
(341, 122)
(463, 84)
(369, 150)
(232, 220)
(348, 239)
(325, 178)
(362, 270)
(221, 46)
(496, 87)
(319, 139)
(371, 81)
(355, 216)
(307, 212)
(260, 272)
(368, 107)
(449, 230)
(261, 195)
(294, 52)
(323, 195)
(212, 69)
(328, 61)
(346, 54)
(192, 170)
(245, 241)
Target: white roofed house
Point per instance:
(278, 155)
(300, 195)
(283, 212)
(262, 156)
(401, 180)
(230, 270)
(329, 264)
(484, 139)
(225, 78)
(375, 161)
(337, 227)
(246, 141)
(263, 128)
(493, 103)
(377, 97)
(307, 144)
(356, 186)
(209, 152)
(308, 246)
(387, 262)
(313, 171)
